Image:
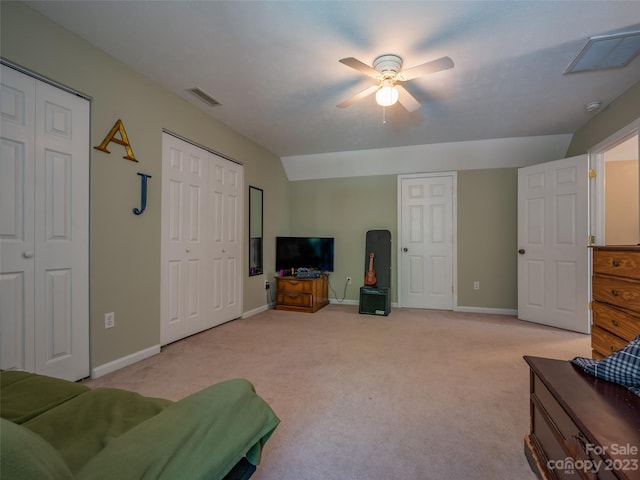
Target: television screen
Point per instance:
(306, 252)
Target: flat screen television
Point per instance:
(305, 252)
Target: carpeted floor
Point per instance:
(417, 395)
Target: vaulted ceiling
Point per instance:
(273, 65)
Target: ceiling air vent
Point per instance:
(204, 96)
(606, 51)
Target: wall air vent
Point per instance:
(606, 51)
(204, 96)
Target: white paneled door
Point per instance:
(225, 222)
(44, 228)
(426, 241)
(201, 239)
(553, 268)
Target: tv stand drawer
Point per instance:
(302, 294)
(294, 285)
(295, 299)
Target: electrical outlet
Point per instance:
(267, 285)
(476, 285)
(348, 280)
(109, 320)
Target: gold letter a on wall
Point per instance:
(123, 140)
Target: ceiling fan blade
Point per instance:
(407, 100)
(434, 66)
(359, 96)
(361, 67)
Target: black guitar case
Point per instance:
(379, 242)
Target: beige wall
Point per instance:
(488, 237)
(346, 208)
(621, 203)
(487, 228)
(125, 248)
(620, 113)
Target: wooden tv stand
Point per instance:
(302, 294)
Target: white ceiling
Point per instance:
(273, 65)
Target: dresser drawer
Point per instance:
(616, 321)
(295, 299)
(293, 285)
(617, 291)
(604, 342)
(620, 263)
(552, 450)
(554, 431)
(552, 408)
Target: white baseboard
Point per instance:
(491, 311)
(255, 311)
(333, 301)
(124, 361)
(355, 302)
(343, 302)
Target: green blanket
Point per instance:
(201, 436)
(25, 395)
(82, 427)
(108, 433)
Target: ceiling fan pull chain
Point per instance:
(384, 115)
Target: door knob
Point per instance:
(521, 251)
(27, 254)
(188, 250)
(405, 249)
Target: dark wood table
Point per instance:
(581, 426)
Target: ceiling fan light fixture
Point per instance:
(387, 96)
(592, 106)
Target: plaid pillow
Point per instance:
(622, 367)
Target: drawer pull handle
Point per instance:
(615, 293)
(615, 323)
(615, 263)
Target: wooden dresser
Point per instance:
(616, 298)
(581, 427)
(302, 294)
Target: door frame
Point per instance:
(454, 232)
(596, 163)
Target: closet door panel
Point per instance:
(59, 311)
(226, 207)
(44, 228)
(202, 217)
(17, 124)
(61, 233)
(183, 283)
(15, 352)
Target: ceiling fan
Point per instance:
(388, 73)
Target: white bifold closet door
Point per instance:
(202, 228)
(44, 228)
